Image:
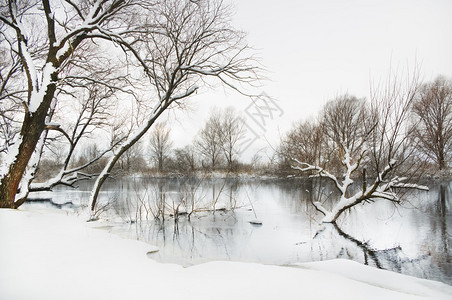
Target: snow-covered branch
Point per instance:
(364, 142)
(319, 172)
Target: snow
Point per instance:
(11, 157)
(187, 93)
(30, 170)
(38, 96)
(30, 64)
(55, 256)
(53, 124)
(63, 49)
(383, 190)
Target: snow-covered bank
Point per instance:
(49, 256)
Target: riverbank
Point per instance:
(58, 256)
(264, 175)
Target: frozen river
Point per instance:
(413, 239)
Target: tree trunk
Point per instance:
(32, 128)
(160, 167)
(441, 161)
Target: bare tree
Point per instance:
(304, 142)
(185, 159)
(220, 137)
(42, 49)
(208, 142)
(160, 144)
(174, 43)
(10, 94)
(433, 117)
(340, 128)
(344, 125)
(92, 104)
(133, 160)
(89, 155)
(380, 143)
(232, 130)
(186, 42)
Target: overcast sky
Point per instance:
(316, 50)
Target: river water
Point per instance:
(214, 219)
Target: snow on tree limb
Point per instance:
(11, 156)
(30, 173)
(39, 90)
(320, 172)
(361, 137)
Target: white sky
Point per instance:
(316, 50)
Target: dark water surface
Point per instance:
(412, 239)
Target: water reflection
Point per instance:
(198, 220)
(440, 222)
(343, 245)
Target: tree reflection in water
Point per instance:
(414, 241)
(392, 259)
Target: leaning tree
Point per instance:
(169, 46)
(44, 42)
(188, 45)
(369, 154)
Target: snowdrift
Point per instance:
(54, 256)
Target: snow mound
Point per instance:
(54, 256)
